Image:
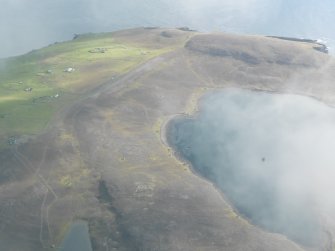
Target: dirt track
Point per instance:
(149, 200)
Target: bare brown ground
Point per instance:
(104, 159)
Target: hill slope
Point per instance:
(103, 156)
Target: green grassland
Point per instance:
(95, 57)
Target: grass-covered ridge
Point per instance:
(35, 85)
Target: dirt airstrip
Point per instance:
(103, 159)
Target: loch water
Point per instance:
(270, 154)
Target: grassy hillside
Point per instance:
(35, 85)
(106, 159)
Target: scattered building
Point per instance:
(98, 50)
(145, 52)
(46, 99)
(185, 29)
(12, 140)
(69, 70)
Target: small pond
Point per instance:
(77, 239)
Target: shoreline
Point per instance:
(197, 108)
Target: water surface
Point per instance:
(78, 238)
(272, 155)
(36, 23)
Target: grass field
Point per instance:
(35, 85)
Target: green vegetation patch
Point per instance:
(35, 85)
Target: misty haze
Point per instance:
(166, 125)
(31, 24)
(272, 155)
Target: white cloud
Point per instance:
(28, 24)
